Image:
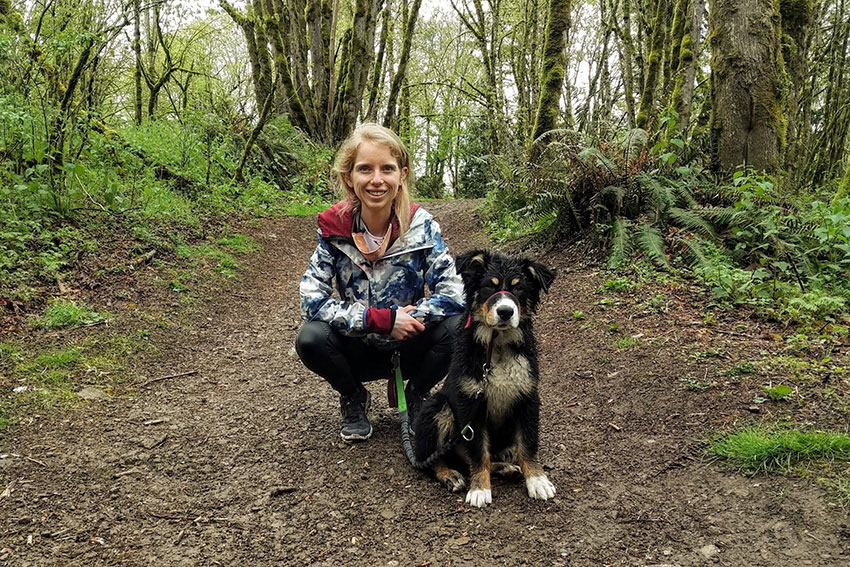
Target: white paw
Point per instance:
(479, 497)
(540, 487)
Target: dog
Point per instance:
(487, 411)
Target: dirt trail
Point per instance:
(241, 462)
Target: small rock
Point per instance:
(93, 394)
(388, 514)
(709, 551)
(392, 563)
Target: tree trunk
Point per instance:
(683, 89)
(378, 69)
(627, 54)
(552, 72)
(747, 121)
(648, 109)
(390, 120)
(137, 71)
(797, 19)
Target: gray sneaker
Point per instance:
(355, 424)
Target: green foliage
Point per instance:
(61, 313)
(760, 450)
(778, 392)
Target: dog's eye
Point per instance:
(495, 281)
(514, 281)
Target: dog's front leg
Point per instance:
(536, 482)
(479, 494)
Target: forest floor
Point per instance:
(238, 461)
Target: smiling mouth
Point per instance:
(376, 192)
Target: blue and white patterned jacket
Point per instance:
(367, 292)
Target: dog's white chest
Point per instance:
(509, 378)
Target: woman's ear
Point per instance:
(346, 178)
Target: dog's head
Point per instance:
(502, 290)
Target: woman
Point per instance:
(378, 251)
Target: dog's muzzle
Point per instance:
(502, 310)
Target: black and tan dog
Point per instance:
(489, 402)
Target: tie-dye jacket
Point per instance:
(368, 292)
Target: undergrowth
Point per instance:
(785, 254)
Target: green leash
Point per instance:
(467, 433)
(399, 384)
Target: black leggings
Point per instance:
(347, 362)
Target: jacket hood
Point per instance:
(339, 222)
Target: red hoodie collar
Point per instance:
(338, 221)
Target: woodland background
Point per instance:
(676, 138)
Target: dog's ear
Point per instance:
(472, 263)
(540, 274)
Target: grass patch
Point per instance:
(40, 382)
(624, 343)
(62, 313)
(218, 259)
(760, 450)
(239, 243)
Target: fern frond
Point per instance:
(652, 244)
(593, 157)
(684, 197)
(619, 244)
(686, 218)
(633, 142)
(693, 251)
(724, 217)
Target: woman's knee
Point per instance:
(312, 340)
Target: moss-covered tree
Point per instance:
(552, 71)
(748, 122)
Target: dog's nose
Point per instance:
(504, 312)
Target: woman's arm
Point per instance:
(447, 297)
(317, 301)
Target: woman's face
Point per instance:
(376, 178)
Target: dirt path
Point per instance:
(241, 462)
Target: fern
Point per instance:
(592, 156)
(652, 244)
(633, 142)
(619, 244)
(693, 251)
(684, 197)
(691, 220)
(725, 217)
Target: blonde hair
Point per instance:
(344, 164)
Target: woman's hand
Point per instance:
(405, 326)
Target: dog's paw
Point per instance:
(454, 481)
(506, 470)
(540, 487)
(479, 497)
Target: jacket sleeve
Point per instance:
(447, 296)
(317, 301)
